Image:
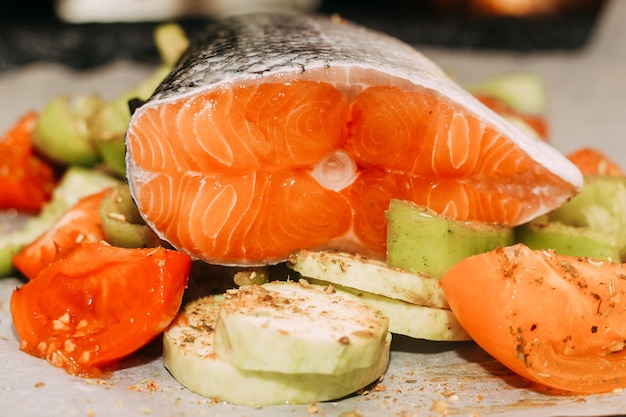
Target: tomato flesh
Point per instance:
(556, 320)
(96, 304)
(81, 223)
(26, 180)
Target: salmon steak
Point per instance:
(277, 132)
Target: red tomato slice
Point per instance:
(97, 304)
(81, 223)
(553, 319)
(26, 180)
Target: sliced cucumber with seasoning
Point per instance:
(189, 356)
(122, 224)
(424, 242)
(287, 327)
(568, 240)
(368, 275)
(416, 321)
(75, 184)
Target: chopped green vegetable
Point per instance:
(62, 134)
(108, 123)
(596, 218)
(568, 240)
(171, 41)
(424, 242)
(122, 224)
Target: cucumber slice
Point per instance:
(292, 328)
(369, 275)
(189, 356)
(416, 321)
(424, 242)
(568, 240)
(601, 206)
(62, 134)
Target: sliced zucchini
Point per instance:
(368, 275)
(287, 327)
(416, 321)
(189, 356)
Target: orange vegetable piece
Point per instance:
(537, 122)
(97, 304)
(80, 223)
(556, 320)
(26, 180)
(591, 161)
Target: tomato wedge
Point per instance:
(592, 161)
(81, 223)
(557, 320)
(26, 180)
(97, 303)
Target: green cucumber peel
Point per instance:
(423, 242)
(122, 224)
(592, 224)
(568, 240)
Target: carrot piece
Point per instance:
(591, 161)
(26, 180)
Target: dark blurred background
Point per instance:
(31, 31)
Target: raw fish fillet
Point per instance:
(277, 132)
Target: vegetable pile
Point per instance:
(544, 298)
